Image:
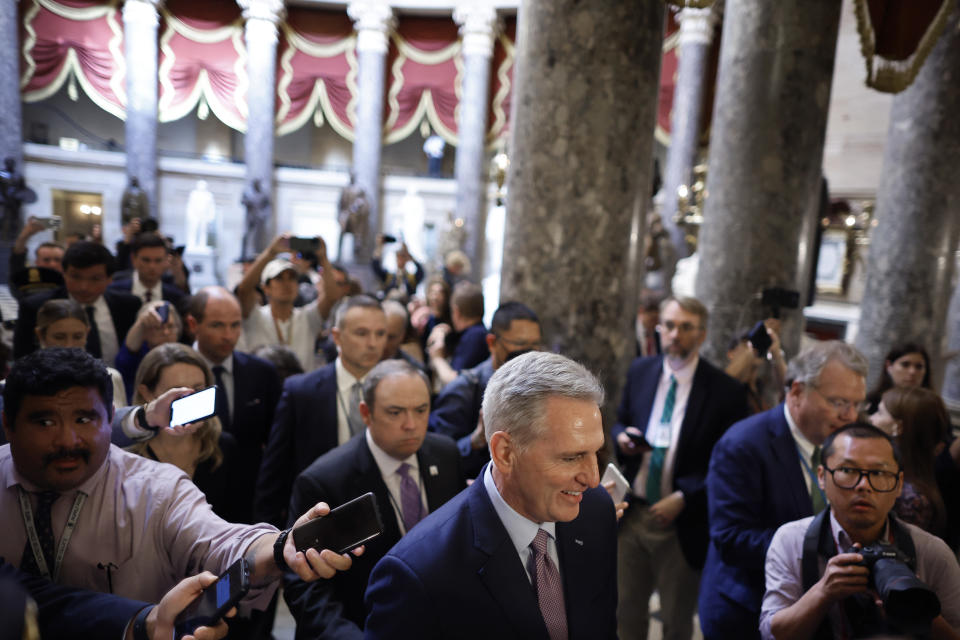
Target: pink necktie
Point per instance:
(549, 589)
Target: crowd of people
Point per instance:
(759, 492)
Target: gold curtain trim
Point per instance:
(28, 44)
(893, 76)
(496, 105)
(315, 50)
(202, 36)
(90, 13)
(425, 57)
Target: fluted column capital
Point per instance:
(373, 20)
(479, 27)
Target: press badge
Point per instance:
(659, 435)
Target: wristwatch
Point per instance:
(141, 418)
(278, 550)
(140, 624)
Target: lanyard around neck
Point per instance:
(26, 510)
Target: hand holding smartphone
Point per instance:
(344, 528)
(197, 406)
(620, 484)
(216, 600)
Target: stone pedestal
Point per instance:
(373, 20)
(260, 35)
(766, 149)
(140, 23)
(696, 35)
(582, 123)
(478, 26)
(918, 202)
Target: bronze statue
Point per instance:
(257, 204)
(353, 212)
(14, 193)
(134, 203)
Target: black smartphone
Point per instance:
(163, 310)
(194, 407)
(639, 439)
(387, 238)
(215, 601)
(760, 339)
(304, 246)
(344, 528)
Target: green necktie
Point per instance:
(659, 454)
(816, 496)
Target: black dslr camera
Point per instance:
(906, 599)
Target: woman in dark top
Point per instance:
(207, 454)
(906, 366)
(918, 420)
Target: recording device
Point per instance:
(779, 298)
(194, 407)
(344, 528)
(760, 339)
(639, 439)
(163, 310)
(620, 484)
(906, 598)
(304, 246)
(53, 222)
(387, 238)
(215, 601)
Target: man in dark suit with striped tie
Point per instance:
(411, 473)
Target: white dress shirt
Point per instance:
(521, 529)
(388, 466)
(345, 382)
(805, 447)
(109, 345)
(684, 376)
(227, 376)
(138, 289)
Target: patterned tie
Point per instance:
(222, 404)
(659, 454)
(93, 340)
(354, 419)
(549, 588)
(41, 521)
(410, 503)
(816, 496)
(148, 296)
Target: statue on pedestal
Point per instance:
(257, 204)
(353, 212)
(134, 203)
(14, 193)
(201, 211)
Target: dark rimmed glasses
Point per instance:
(849, 477)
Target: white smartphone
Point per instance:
(620, 484)
(194, 407)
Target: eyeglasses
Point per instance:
(849, 478)
(515, 345)
(685, 327)
(841, 405)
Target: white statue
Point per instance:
(201, 211)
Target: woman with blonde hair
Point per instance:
(205, 455)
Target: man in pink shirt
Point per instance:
(87, 514)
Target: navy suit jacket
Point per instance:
(716, 401)
(123, 310)
(456, 410)
(458, 575)
(755, 484)
(304, 428)
(334, 608)
(171, 294)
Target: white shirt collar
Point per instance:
(806, 447)
(138, 289)
(99, 304)
(684, 374)
(345, 379)
(521, 529)
(227, 364)
(387, 463)
(842, 539)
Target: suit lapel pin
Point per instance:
(433, 470)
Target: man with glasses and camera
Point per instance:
(855, 570)
(514, 330)
(674, 408)
(763, 474)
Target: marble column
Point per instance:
(697, 28)
(582, 120)
(918, 202)
(140, 24)
(478, 27)
(11, 132)
(766, 151)
(260, 35)
(373, 20)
